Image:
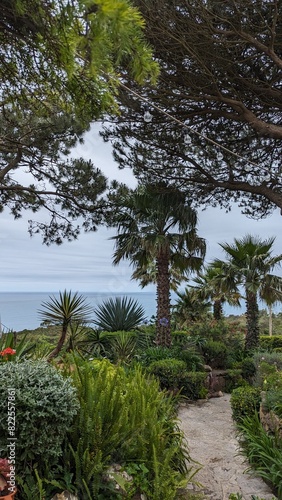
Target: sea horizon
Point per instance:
(19, 310)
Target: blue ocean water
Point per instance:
(19, 311)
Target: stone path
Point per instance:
(210, 432)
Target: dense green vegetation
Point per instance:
(123, 391)
(97, 406)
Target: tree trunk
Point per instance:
(163, 327)
(252, 336)
(60, 343)
(270, 320)
(217, 310)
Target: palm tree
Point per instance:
(208, 286)
(69, 308)
(189, 307)
(271, 293)
(156, 224)
(249, 263)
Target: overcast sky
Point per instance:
(85, 265)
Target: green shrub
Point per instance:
(233, 379)
(124, 419)
(192, 358)
(45, 405)
(215, 353)
(267, 343)
(179, 337)
(169, 372)
(273, 401)
(248, 368)
(245, 401)
(263, 451)
(271, 358)
(194, 385)
(151, 354)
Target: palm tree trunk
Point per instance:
(163, 327)
(270, 320)
(217, 310)
(252, 336)
(60, 343)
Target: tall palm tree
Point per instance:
(156, 224)
(69, 308)
(148, 274)
(208, 286)
(249, 264)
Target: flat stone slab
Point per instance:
(211, 437)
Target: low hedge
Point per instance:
(268, 343)
(173, 375)
(169, 372)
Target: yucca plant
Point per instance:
(69, 308)
(119, 314)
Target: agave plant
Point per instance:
(119, 314)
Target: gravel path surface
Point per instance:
(210, 432)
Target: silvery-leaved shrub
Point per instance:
(43, 403)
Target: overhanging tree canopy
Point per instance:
(59, 66)
(221, 80)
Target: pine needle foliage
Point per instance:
(123, 419)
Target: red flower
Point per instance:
(5, 467)
(6, 351)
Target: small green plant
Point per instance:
(22, 347)
(245, 401)
(194, 385)
(273, 401)
(248, 368)
(215, 353)
(233, 379)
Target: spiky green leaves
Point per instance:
(119, 314)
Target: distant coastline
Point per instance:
(19, 310)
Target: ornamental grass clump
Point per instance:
(44, 404)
